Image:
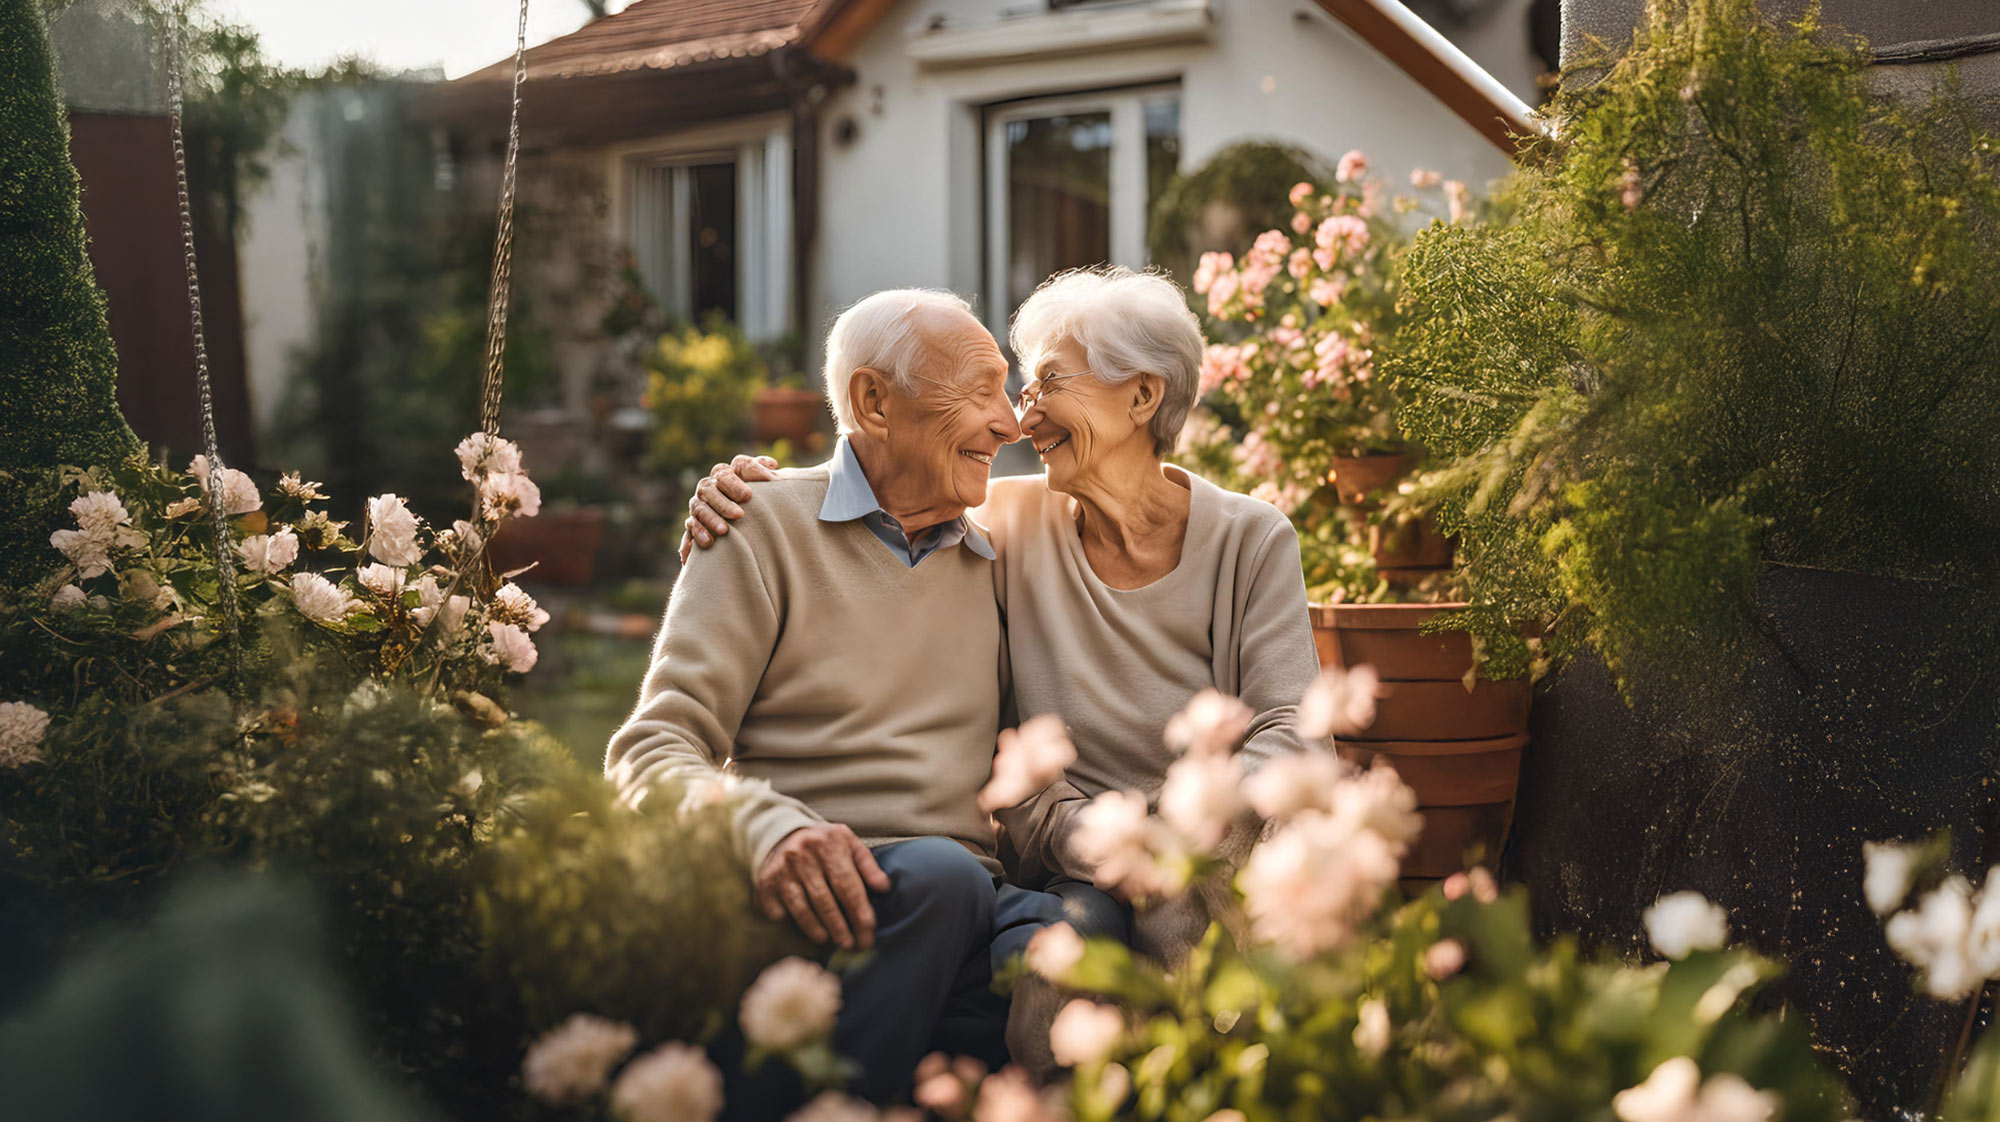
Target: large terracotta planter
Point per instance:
(1355, 478)
(785, 413)
(1459, 749)
(560, 544)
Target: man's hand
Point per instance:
(714, 505)
(821, 875)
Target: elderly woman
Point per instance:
(1128, 584)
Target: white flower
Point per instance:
(103, 528)
(671, 1083)
(289, 484)
(1890, 870)
(382, 580)
(1307, 886)
(469, 784)
(1028, 759)
(1684, 922)
(1372, 1029)
(515, 606)
(265, 554)
(832, 1106)
(239, 494)
(1934, 936)
(319, 599)
(67, 597)
(1085, 1032)
(181, 508)
(791, 1002)
(512, 493)
(569, 1063)
(1295, 782)
(1444, 958)
(429, 597)
(392, 531)
(1202, 795)
(1054, 952)
(1339, 703)
(22, 727)
(510, 648)
(1211, 723)
(483, 454)
(1676, 1093)
(1982, 939)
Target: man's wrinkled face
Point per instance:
(960, 416)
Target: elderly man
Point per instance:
(842, 654)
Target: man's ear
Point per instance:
(1149, 392)
(868, 399)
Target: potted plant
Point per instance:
(1716, 395)
(788, 409)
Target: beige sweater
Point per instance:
(1115, 664)
(804, 654)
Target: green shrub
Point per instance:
(701, 384)
(1738, 311)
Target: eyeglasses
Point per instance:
(1034, 392)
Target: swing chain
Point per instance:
(503, 248)
(218, 516)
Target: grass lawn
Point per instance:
(584, 688)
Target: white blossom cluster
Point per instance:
(104, 528)
(22, 727)
(791, 1003)
(1028, 759)
(493, 467)
(1951, 933)
(1684, 922)
(1676, 1092)
(239, 494)
(571, 1062)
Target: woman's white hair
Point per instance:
(1127, 323)
(877, 331)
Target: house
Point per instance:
(775, 160)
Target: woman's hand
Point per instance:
(714, 505)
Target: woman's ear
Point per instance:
(1149, 392)
(868, 399)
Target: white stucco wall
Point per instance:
(900, 203)
(277, 251)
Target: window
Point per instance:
(710, 232)
(1071, 182)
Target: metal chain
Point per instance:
(503, 248)
(218, 516)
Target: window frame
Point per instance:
(1127, 215)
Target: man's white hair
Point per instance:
(877, 332)
(1127, 323)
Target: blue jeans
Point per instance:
(943, 929)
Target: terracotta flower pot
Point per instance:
(1354, 478)
(560, 544)
(785, 413)
(1415, 545)
(1459, 749)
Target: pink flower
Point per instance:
(1630, 192)
(1455, 196)
(570, 1062)
(1202, 797)
(1296, 782)
(1444, 958)
(1256, 457)
(1307, 886)
(1300, 263)
(672, 1083)
(1287, 497)
(1353, 166)
(1340, 234)
(1211, 266)
(1339, 702)
(1085, 1032)
(1028, 759)
(1009, 1096)
(511, 648)
(1054, 951)
(1212, 723)
(1300, 192)
(1301, 222)
(1220, 290)
(1423, 179)
(1326, 291)
(1220, 363)
(1127, 848)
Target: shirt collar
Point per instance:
(848, 497)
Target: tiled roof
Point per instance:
(662, 34)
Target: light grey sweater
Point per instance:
(804, 654)
(1117, 664)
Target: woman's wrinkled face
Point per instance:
(1073, 421)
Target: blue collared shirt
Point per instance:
(848, 497)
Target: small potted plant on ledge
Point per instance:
(788, 409)
(1299, 413)
(1717, 397)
